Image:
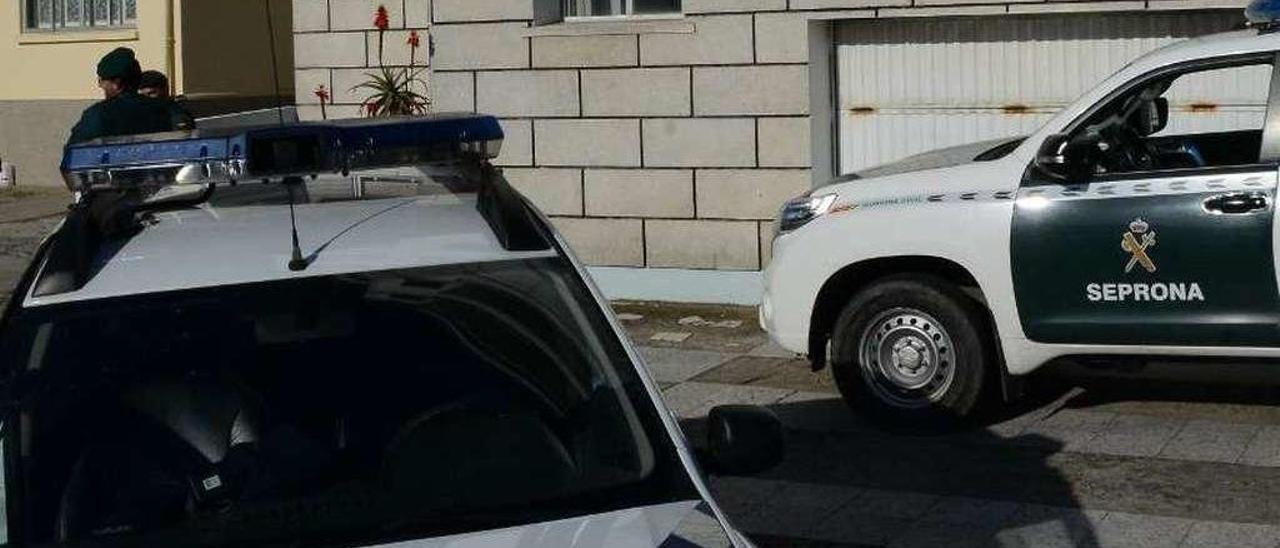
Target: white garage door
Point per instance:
(907, 86)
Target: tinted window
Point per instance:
(345, 409)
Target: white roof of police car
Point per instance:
(1211, 45)
(212, 246)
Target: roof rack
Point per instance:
(107, 175)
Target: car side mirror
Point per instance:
(742, 440)
(1062, 158)
(1161, 106)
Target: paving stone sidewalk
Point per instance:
(1188, 458)
(26, 217)
(23, 204)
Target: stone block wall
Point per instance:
(336, 44)
(652, 143)
(658, 143)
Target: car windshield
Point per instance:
(350, 409)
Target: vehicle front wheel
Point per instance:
(910, 351)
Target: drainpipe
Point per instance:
(170, 45)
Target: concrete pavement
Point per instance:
(1089, 458)
(22, 204)
(26, 216)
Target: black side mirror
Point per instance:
(1063, 159)
(742, 440)
(1161, 106)
(1150, 117)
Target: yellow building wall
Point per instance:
(221, 48)
(220, 59)
(61, 65)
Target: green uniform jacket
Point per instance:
(124, 114)
(179, 116)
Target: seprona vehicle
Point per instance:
(1123, 228)
(345, 333)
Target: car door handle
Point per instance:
(1236, 204)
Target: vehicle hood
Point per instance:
(931, 177)
(644, 527)
(934, 159)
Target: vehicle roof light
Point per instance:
(277, 151)
(1263, 14)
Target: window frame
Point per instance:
(87, 24)
(1198, 65)
(628, 13)
(1269, 147)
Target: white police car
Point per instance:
(334, 334)
(1123, 227)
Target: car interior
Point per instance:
(321, 403)
(1128, 135)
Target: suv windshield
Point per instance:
(348, 409)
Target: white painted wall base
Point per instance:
(679, 285)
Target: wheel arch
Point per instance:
(846, 282)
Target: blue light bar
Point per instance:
(418, 131)
(1263, 13)
(277, 151)
(172, 148)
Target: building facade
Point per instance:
(216, 54)
(662, 135)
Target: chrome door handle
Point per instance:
(1236, 203)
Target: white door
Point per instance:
(911, 85)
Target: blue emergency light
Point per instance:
(1263, 13)
(309, 148)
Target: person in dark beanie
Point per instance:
(122, 111)
(155, 84)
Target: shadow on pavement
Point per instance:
(845, 483)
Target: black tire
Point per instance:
(926, 362)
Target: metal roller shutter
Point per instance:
(910, 85)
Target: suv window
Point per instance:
(357, 409)
(1209, 117)
(1225, 99)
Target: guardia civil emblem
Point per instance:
(1138, 241)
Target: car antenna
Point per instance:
(297, 262)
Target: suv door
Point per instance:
(1162, 233)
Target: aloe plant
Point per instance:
(390, 90)
(391, 93)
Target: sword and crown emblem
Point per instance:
(1137, 241)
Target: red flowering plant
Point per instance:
(391, 90)
(322, 93)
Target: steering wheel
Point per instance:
(1124, 150)
(185, 443)
(1122, 144)
(474, 451)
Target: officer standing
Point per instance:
(122, 111)
(155, 84)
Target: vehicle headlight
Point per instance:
(798, 211)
